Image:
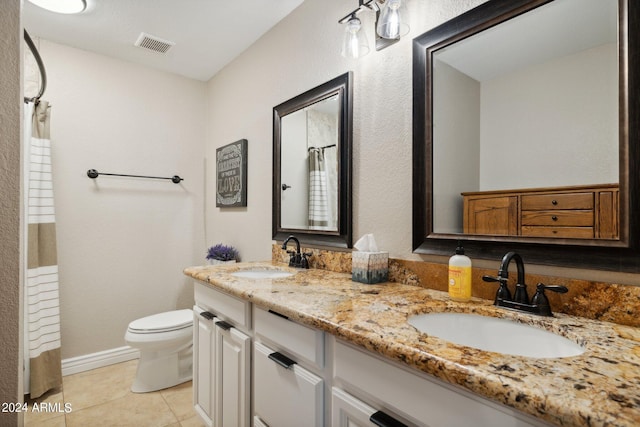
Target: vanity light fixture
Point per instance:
(354, 44)
(389, 26)
(61, 6)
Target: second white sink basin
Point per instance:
(495, 334)
(262, 273)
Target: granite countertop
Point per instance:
(601, 387)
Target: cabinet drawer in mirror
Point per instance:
(572, 218)
(305, 343)
(562, 232)
(558, 201)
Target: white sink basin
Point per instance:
(262, 273)
(494, 334)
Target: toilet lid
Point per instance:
(163, 322)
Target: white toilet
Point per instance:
(165, 341)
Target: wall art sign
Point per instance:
(231, 174)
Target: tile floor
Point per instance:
(102, 397)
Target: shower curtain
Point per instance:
(43, 369)
(322, 188)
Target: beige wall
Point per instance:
(298, 54)
(10, 212)
(122, 242)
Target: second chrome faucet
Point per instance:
(539, 304)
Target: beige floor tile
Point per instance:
(99, 385)
(180, 400)
(192, 422)
(133, 410)
(56, 421)
(37, 413)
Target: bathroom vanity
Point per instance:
(585, 212)
(315, 346)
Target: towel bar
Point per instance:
(93, 174)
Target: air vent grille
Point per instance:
(156, 44)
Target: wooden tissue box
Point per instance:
(369, 267)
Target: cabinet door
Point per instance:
(203, 352)
(348, 411)
(496, 216)
(232, 377)
(285, 394)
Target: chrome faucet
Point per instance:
(539, 303)
(296, 258)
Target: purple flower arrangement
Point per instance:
(221, 252)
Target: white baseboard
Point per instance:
(100, 359)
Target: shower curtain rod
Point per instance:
(93, 174)
(43, 73)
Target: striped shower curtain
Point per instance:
(318, 198)
(42, 304)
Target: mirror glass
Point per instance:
(312, 165)
(309, 148)
(523, 118)
(528, 105)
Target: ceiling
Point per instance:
(208, 34)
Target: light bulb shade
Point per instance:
(61, 6)
(354, 43)
(390, 22)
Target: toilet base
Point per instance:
(157, 372)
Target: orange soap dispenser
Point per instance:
(460, 275)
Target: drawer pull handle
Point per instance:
(224, 325)
(555, 218)
(207, 315)
(384, 420)
(278, 314)
(554, 202)
(282, 360)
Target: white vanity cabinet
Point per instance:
(232, 377)
(204, 351)
(286, 391)
(367, 384)
(256, 368)
(221, 358)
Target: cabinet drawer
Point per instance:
(424, 402)
(563, 232)
(558, 201)
(286, 397)
(301, 341)
(228, 307)
(563, 218)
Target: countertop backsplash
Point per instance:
(608, 302)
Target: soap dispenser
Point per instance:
(460, 275)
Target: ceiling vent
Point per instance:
(156, 44)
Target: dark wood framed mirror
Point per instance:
(312, 150)
(476, 174)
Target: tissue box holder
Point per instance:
(369, 267)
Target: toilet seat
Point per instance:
(162, 322)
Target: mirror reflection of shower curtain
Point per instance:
(323, 188)
(43, 369)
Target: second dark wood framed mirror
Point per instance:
(560, 186)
